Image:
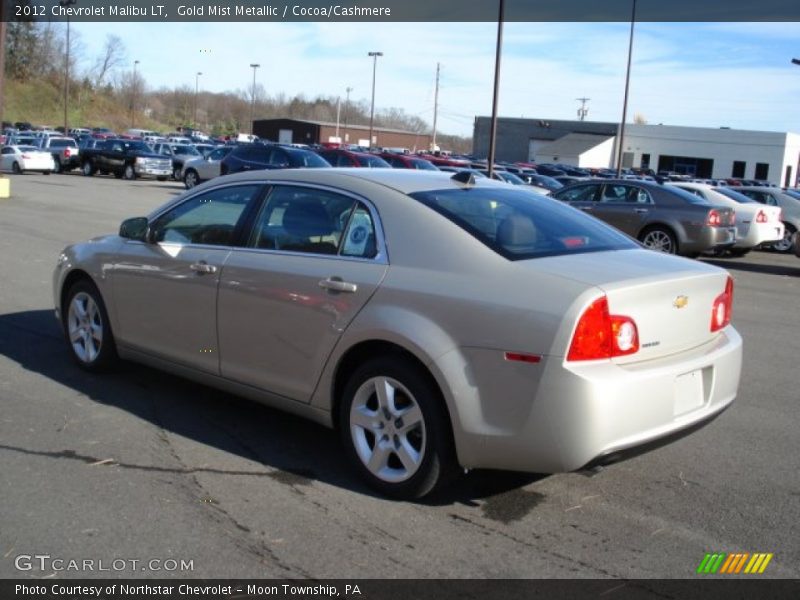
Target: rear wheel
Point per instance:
(16, 168)
(87, 328)
(659, 239)
(190, 179)
(395, 428)
(57, 168)
(785, 245)
(129, 173)
(87, 169)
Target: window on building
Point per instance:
(738, 169)
(645, 161)
(762, 170)
(787, 180)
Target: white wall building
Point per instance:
(715, 153)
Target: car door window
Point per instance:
(581, 193)
(299, 219)
(614, 193)
(210, 218)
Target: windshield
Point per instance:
(510, 177)
(190, 150)
(307, 159)
(733, 195)
(520, 225)
(374, 162)
(137, 147)
(422, 164)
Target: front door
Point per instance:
(165, 291)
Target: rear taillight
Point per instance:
(714, 219)
(26, 156)
(761, 217)
(67, 152)
(600, 334)
(732, 218)
(722, 308)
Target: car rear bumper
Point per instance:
(580, 414)
(760, 233)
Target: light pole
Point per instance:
(625, 98)
(196, 88)
(66, 69)
(493, 127)
(133, 97)
(253, 66)
(374, 56)
(346, 106)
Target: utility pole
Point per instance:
(196, 89)
(253, 66)
(346, 107)
(621, 137)
(435, 108)
(338, 112)
(374, 56)
(496, 94)
(582, 111)
(133, 95)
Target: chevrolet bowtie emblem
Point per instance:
(681, 302)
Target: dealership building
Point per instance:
(300, 131)
(696, 151)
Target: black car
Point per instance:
(253, 157)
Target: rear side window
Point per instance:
(518, 224)
(581, 193)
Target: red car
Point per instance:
(347, 158)
(407, 161)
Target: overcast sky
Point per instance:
(713, 74)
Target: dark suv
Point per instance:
(253, 157)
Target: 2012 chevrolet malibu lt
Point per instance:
(436, 321)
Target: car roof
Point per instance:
(406, 181)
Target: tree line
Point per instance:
(36, 54)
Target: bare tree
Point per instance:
(112, 57)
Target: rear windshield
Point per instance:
(422, 164)
(688, 196)
(733, 195)
(373, 162)
(519, 225)
(307, 159)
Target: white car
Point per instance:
(756, 223)
(26, 158)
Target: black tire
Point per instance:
(190, 179)
(161, 178)
(129, 173)
(92, 348)
(87, 169)
(427, 443)
(739, 252)
(57, 168)
(786, 245)
(46, 172)
(176, 173)
(659, 239)
(118, 174)
(16, 168)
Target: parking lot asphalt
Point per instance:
(138, 465)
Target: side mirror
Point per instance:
(134, 229)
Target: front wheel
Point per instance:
(129, 173)
(395, 428)
(176, 173)
(660, 240)
(786, 244)
(17, 169)
(87, 169)
(87, 328)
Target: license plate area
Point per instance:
(690, 392)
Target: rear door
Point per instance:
(314, 258)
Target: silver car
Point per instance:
(439, 322)
(203, 168)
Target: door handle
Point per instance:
(641, 210)
(587, 208)
(335, 284)
(202, 267)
